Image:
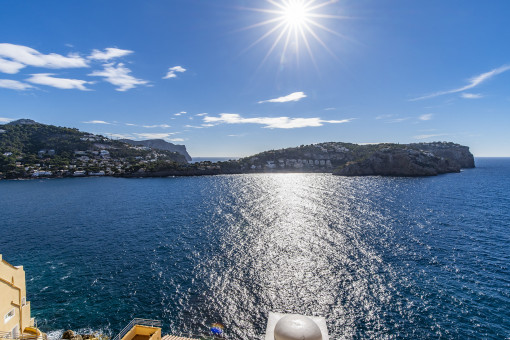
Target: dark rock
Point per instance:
(69, 334)
(399, 162)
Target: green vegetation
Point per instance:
(28, 148)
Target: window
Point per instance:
(23, 301)
(9, 316)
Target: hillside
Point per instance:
(417, 159)
(160, 144)
(31, 149)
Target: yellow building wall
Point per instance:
(13, 296)
(152, 332)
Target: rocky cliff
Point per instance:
(347, 159)
(418, 159)
(160, 144)
(399, 162)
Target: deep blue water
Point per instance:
(378, 257)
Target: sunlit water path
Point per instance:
(378, 257)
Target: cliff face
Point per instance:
(399, 163)
(160, 144)
(450, 151)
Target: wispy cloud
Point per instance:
(154, 135)
(193, 127)
(201, 114)
(176, 139)
(399, 120)
(330, 109)
(384, 116)
(180, 113)
(293, 97)
(109, 53)
(473, 82)
(272, 122)
(130, 124)
(163, 126)
(427, 116)
(173, 70)
(60, 83)
(5, 120)
(97, 122)
(430, 136)
(119, 135)
(471, 95)
(15, 57)
(119, 76)
(14, 85)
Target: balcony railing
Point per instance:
(139, 322)
(8, 335)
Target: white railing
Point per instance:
(139, 322)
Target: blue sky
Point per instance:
(222, 77)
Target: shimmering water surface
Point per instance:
(378, 257)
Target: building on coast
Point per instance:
(15, 319)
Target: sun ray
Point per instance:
(295, 22)
(268, 33)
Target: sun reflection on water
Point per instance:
(294, 244)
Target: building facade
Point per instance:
(15, 319)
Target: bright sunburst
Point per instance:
(293, 24)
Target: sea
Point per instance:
(378, 257)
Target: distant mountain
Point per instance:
(23, 122)
(160, 144)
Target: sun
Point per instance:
(295, 14)
(294, 25)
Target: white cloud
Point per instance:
(97, 122)
(473, 82)
(60, 83)
(429, 136)
(272, 122)
(9, 66)
(119, 135)
(5, 120)
(293, 97)
(109, 53)
(176, 140)
(130, 124)
(15, 57)
(201, 114)
(427, 116)
(330, 109)
(163, 126)
(471, 95)
(119, 76)
(14, 84)
(193, 126)
(173, 70)
(154, 135)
